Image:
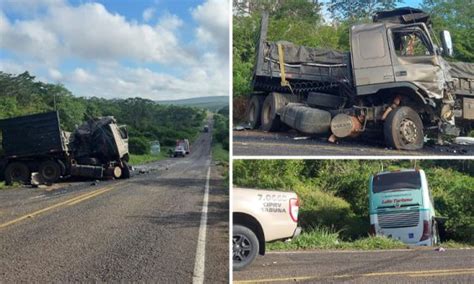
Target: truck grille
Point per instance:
(409, 218)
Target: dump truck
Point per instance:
(393, 83)
(36, 143)
(261, 216)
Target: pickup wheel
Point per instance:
(50, 171)
(403, 129)
(254, 109)
(17, 172)
(245, 247)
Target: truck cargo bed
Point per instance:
(35, 134)
(306, 69)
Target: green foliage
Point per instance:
(334, 193)
(138, 145)
(148, 158)
(221, 130)
(357, 9)
(457, 16)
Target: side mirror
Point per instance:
(447, 43)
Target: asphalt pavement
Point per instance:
(292, 143)
(147, 228)
(387, 266)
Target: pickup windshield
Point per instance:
(396, 181)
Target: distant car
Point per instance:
(206, 128)
(179, 152)
(261, 216)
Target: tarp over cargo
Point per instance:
(297, 54)
(462, 70)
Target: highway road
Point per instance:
(259, 143)
(150, 228)
(393, 266)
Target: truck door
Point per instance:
(414, 59)
(370, 55)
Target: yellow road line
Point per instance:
(443, 274)
(71, 201)
(420, 273)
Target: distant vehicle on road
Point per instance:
(185, 144)
(261, 216)
(401, 207)
(36, 143)
(179, 152)
(206, 128)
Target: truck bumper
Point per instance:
(297, 232)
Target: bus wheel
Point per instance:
(50, 171)
(17, 172)
(254, 109)
(403, 129)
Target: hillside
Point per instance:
(211, 103)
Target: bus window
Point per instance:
(396, 181)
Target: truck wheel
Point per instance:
(245, 247)
(125, 170)
(254, 109)
(271, 106)
(403, 129)
(50, 171)
(17, 172)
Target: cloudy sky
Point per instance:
(156, 49)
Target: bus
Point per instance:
(401, 207)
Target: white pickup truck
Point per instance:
(261, 216)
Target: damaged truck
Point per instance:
(36, 143)
(394, 83)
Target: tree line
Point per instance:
(146, 120)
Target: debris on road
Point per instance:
(464, 140)
(440, 249)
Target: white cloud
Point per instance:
(148, 14)
(213, 19)
(89, 33)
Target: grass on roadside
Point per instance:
(219, 154)
(148, 158)
(324, 238)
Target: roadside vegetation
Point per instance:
(334, 194)
(146, 120)
(220, 136)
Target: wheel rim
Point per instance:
(241, 248)
(408, 131)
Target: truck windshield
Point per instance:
(411, 41)
(394, 181)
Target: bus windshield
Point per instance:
(396, 181)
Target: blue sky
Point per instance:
(157, 49)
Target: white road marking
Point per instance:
(200, 260)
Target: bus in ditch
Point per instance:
(401, 207)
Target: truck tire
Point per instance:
(270, 117)
(50, 171)
(403, 129)
(17, 172)
(245, 247)
(125, 170)
(254, 109)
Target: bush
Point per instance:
(138, 145)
